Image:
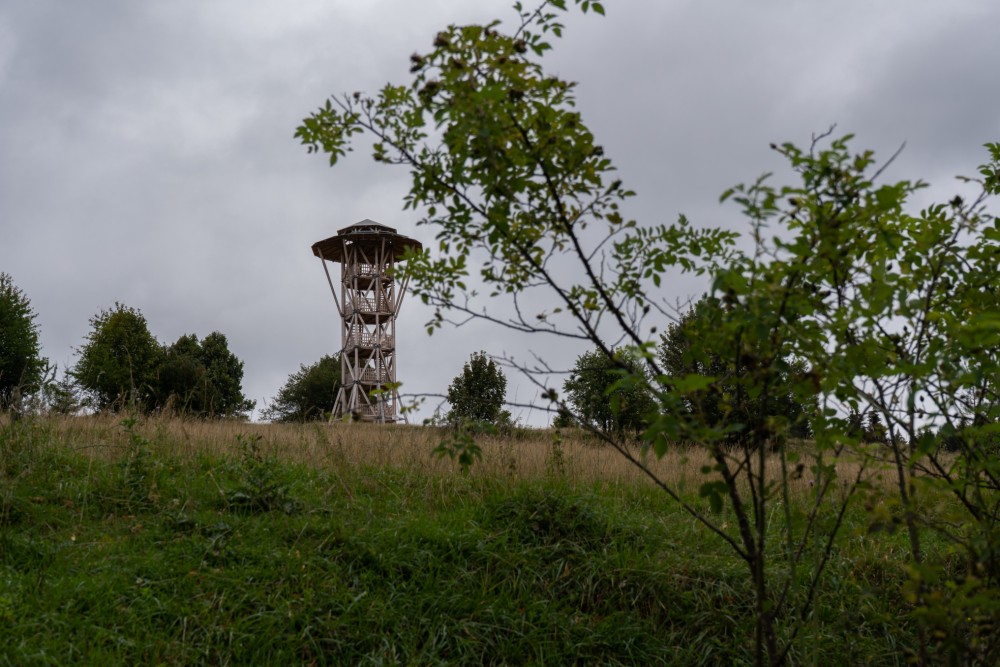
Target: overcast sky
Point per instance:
(147, 156)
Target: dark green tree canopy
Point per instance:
(692, 347)
(202, 378)
(21, 365)
(604, 394)
(308, 394)
(122, 365)
(118, 363)
(224, 371)
(477, 394)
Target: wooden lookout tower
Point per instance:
(368, 303)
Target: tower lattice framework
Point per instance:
(369, 300)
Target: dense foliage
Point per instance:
(477, 394)
(685, 351)
(118, 363)
(309, 394)
(202, 378)
(605, 396)
(122, 365)
(21, 365)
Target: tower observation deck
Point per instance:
(368, 300)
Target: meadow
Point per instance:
(178, 542)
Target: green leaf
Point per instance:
(715, 492)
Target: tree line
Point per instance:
(120, 366)
(613, 393)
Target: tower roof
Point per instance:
(366, 232)
(367, 225)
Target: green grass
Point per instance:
(141, 555)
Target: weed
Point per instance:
(551, 517)
(137, 483)
(217, 549)
(10, 507)
(555, 465)
(260, 486)
(20, 442)
(461, 443)
(24, 553)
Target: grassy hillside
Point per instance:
(181, 542)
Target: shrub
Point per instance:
(599, 397)
(119, 362)
(477, 393)
(20, 364)
(308, 394)
(203, 378)
(689, 348)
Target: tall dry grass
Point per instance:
(529, 454)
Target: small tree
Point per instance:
(119, 362)
(203, 378)
(62, 397)
(180, 380)
(855, 424)
(875, 431)
(308, 394)
(692, 347)
(20, 364)
(477, 394)
(605, 396)
(224, 371)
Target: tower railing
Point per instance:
(374, 376)
(365, 271)
(368, 339)
(367, 304)
(376, 412)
